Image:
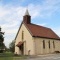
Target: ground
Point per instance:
(46, 57)
(11, 56)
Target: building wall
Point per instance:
(57, 45)
(28, 41)
(38, 44)
(33, 45)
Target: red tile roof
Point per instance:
(40, 31)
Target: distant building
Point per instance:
(32, 39)
(2, 46)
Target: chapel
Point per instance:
(32, 39)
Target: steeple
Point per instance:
(26, 13)
(27, 17)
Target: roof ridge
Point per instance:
(39, 26)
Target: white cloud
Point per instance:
(34, 10)
(49, 7)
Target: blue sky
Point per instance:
(43, 12)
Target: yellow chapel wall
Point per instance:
(38, 45)
(33, 45)
(28, 41)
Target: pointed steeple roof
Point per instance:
(27, 13)
(27, 17)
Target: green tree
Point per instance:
(2, 45)
(12, 46)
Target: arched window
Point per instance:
(53, 45)
(22, 35)
(49, 44)
(44, 44)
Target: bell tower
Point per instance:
(27, 17)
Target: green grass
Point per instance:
(10, 56)
(6, 58)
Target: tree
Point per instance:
(12, 46)
(2, 45)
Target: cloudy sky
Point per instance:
(43, 12)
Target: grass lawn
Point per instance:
(10, 56)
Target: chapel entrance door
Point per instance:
(22, 48)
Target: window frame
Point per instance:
(44, 44)
(49, 44)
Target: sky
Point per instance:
(43, 12)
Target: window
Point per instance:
(53, 44)
(49, 44)
(43, 44)
(22, 35)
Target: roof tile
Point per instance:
(40, 31)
